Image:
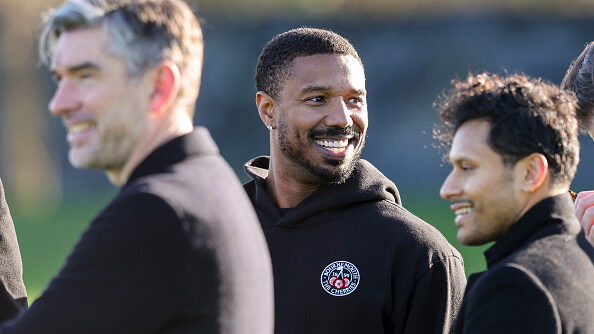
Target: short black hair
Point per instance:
(276, 60)
(580, 80)
(526, 115)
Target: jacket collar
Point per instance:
(197, 142)
(553, 215)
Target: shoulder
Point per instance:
(409, 241)
(135, 215)
(516, 296)
(201, 188)
(502, 278)
(552, 252)
(409, 230)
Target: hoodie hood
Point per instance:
(365, 184)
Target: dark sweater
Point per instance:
(179, 250)
(13, 296)
(539, 279)
(350, 259)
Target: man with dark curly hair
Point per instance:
(580, 79)
(514, 149)
(346, 256)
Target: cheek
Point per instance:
(361, 121)
(102, 99)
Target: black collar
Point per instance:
(197, 142)
(553, 215)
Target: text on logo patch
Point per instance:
(340, 278)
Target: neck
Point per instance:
(285, 187)
(157, 132)
(540, 194)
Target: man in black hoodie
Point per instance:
(347, 257)
(514, 150)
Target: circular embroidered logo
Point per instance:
(340, 278)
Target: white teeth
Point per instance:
(333, 143)
(462, 211)
(79, 127)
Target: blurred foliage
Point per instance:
(366, 9)
(384, 9)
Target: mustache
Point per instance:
(336, 132)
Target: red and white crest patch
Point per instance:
(340, 278)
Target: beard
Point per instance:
(341, 169)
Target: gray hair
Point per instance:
(580, 79)
(143, 33)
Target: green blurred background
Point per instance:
(411, 50)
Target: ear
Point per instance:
(535, 169)
(166, 86)
(266, 109)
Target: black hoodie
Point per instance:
(350, 259)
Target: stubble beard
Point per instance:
(336, 175)
(117, 142)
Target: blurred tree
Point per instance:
(28, 165)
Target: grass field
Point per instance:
(46, 242)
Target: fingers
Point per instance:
(587, 221)
(584, 210)
(583, 200)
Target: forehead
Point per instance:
(80, 46)
(327, 70)
(470, 143)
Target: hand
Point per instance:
(584, 210)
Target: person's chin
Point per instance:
(80, 159)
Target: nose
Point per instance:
(64, 99)
(340, 115)
(450, 188)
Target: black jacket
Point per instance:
(13, 296)
(538, 279)
(179, 250)
(350, 259)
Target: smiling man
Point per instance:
(514, 150)
(347, 257)
(179, 249)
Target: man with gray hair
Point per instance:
(179, 249)
(580, 79)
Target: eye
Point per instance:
(358, 102)
(466, 167)
(85, 75)
(316, 99)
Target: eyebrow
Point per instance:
(77, 68)
(459, 160)
(310, 89)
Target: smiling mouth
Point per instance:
(79, 127)
(335, 146)
(462, 211)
